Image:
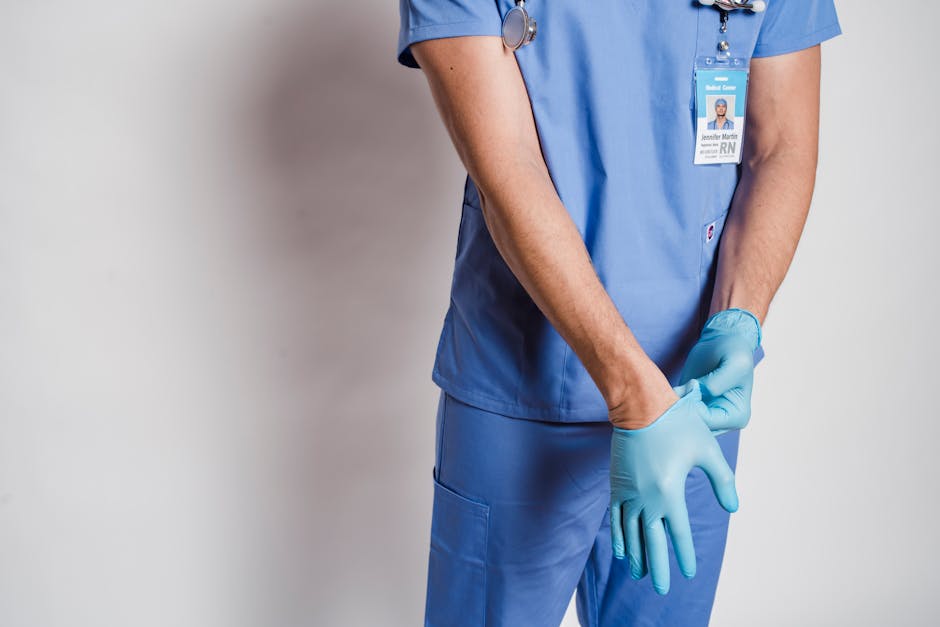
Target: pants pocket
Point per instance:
(456, 594)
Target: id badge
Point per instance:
(720, 105)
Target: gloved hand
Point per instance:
(648, 470)
(723, 362)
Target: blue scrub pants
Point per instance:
(520, 519)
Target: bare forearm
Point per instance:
(542, 246)
(763, 229)
(778, 174)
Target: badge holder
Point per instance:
(720, 103)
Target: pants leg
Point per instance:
(608, 597)
(517, 504)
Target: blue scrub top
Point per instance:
(713, 125)
(641, 206)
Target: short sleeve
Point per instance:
(792, 25)
(432, 19)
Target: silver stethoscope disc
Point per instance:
(730, 5)
(517, 26)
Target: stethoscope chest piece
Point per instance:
(518, 27)
(756, 6)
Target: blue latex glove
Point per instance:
(648, 469)
(723, 362)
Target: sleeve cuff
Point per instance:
(439, 31)
(784, 47)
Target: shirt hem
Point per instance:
(531, 412)
(519, 410)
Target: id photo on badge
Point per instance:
(720, 112)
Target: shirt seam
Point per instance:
(564, 377)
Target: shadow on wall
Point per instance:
(343, 234)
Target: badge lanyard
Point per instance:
(720, 102)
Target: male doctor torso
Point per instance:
(587, 266)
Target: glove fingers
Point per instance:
(616, 531)
(680, 531)
(735, 370)
(726, 412)
(657, 554)
(721, 477)
(635, 547)
(726, 376)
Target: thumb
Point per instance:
(719, 380)
(721, 477)
(729, 411)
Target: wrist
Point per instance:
(647, 395)
(622, 370)
(686, 393)
(737, 321)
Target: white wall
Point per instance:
(226, 236)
